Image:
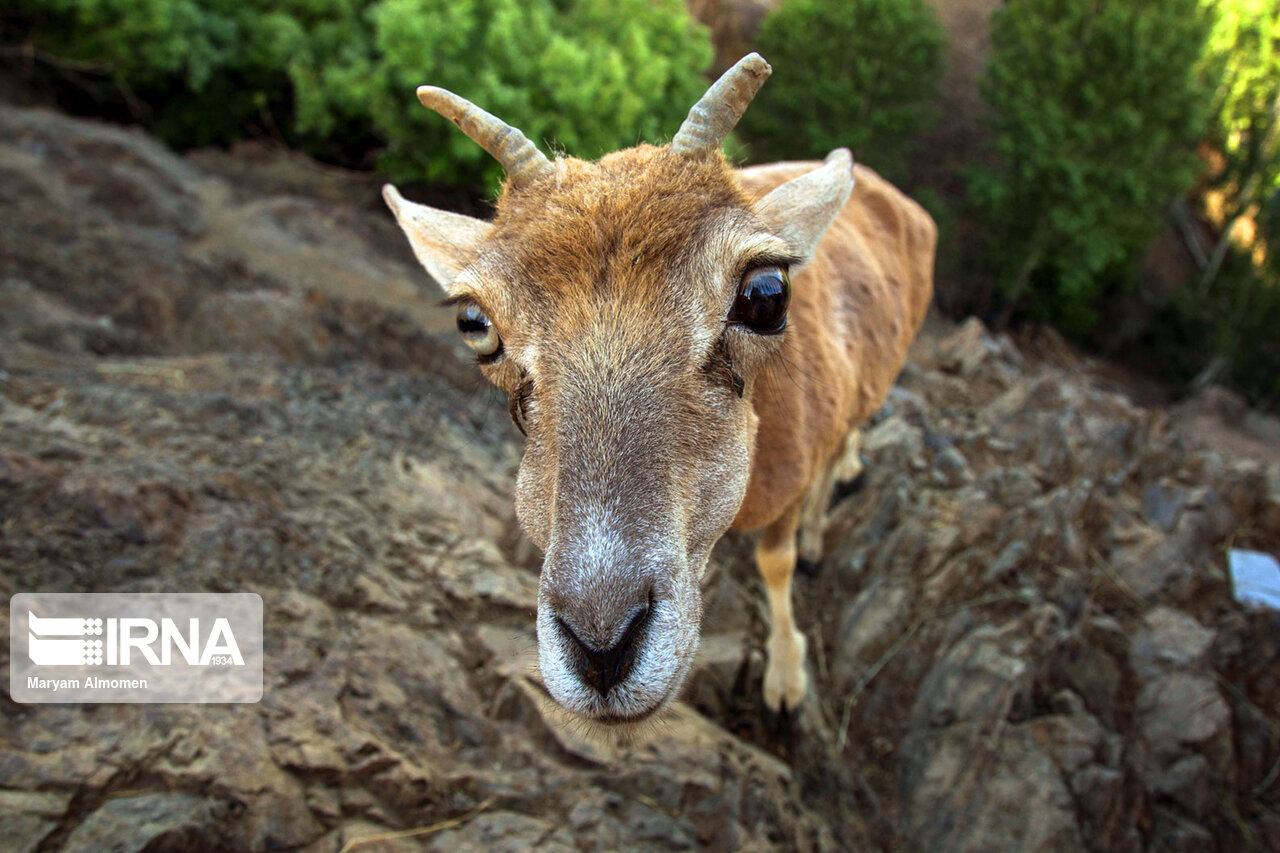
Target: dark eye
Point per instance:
(477, 331)
(762, 300)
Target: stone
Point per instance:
(1071, 741)
(868, 626)
(965, 794)
(504, 832)
(1179, 709)
(1110, 809)
(28, 817)
(971, 349)
(1007, 562)
(719, 664)
(1187, 782)
(894, 443)
(1087, 670)
(1162, 503)
(1168, 640)
(951, 469)
(1156, 569)
(1175, 834)
(146, 822)
(1010, 487)
(977, 680)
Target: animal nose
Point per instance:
(600, 669)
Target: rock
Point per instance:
(1217, 402)
(1008, 561)
(1269, 513)
(1187, 782)
(504, 832)
(1257, 742)
(28, 817)
(868, 626)
(720, 662)
(971, 349)
(1075, 663)
(977, 680)
(1071, 741)
(895, 444)
(1181, 710)
(1162, 503)
(1110, 809)
(361, 834)
(902, 401)
(478, 570)
(1168, 640)
(42, 803)
(951, 469)
(1156, 569)
(1178, 835)
(147, 822)
(1010, 487)
(963, 793)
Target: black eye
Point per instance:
(762, 300)
(477, 331)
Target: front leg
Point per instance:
(785, 680)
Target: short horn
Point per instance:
(712, 118)
(520, 158)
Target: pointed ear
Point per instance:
(801, 210)
(444, 242)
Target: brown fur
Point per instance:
(655, 423)
(855, 309)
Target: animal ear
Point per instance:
(801, 210)
(444, 242)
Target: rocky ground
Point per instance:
(219, 373)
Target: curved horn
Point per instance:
(520, 158)
(712, 118)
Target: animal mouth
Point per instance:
(628, 719)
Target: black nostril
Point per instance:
(601, 669)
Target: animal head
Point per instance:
(627, 307)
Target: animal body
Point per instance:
(686, 348)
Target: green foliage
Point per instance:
(1241, 303)
(338, 76)
(591, 77)
(856, 73)
(1096, 111)
(1243, 53)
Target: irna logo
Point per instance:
(135, 647)
(80, 641)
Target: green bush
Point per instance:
(1243, 54)
(338, 76)
(1096, 111)
(856, 73)
(1238, 296)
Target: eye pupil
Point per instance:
(762, 301)
(472, 325)
(477, 331)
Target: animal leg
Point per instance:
(785, 680)
(813, 518)
(848, 465)
(844, 467)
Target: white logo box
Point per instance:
(135, 647)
